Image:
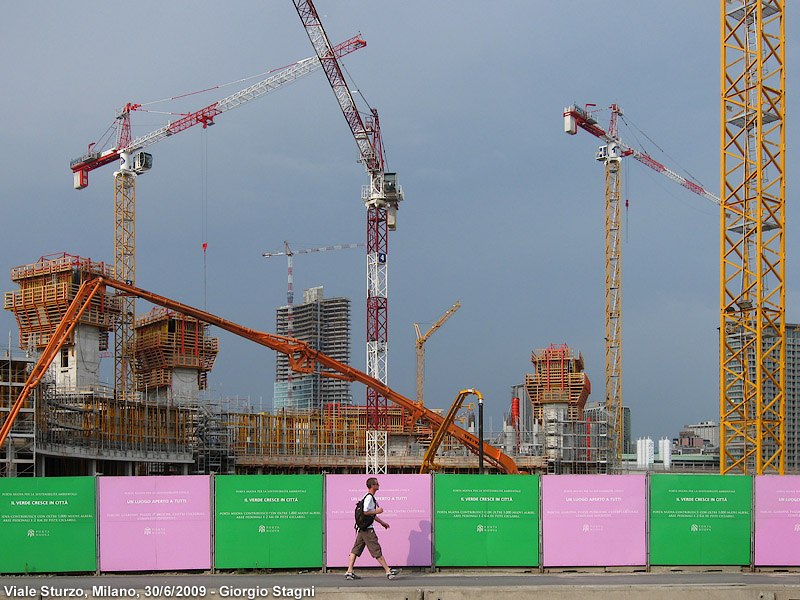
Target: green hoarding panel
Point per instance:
(486, 520)
(268, 521)
(47, 525)
(700, 519)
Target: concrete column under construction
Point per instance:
(78, 364)
(184, 389)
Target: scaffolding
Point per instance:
(558, 377)
(92, 422)
(558, 390)
(75, 428)
(84, 420)
(571, 446)
(335, 440)
(335, 431)
(165, 341)
(18, 454)
(47, 288)
(212, 440)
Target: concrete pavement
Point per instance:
(725, 584)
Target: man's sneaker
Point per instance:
(392, 573)
(351, 576)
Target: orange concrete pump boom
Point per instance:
(301, 358)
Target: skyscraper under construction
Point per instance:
(324, 324)
(558, 389)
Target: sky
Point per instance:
(503, 212)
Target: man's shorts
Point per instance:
(369, 539)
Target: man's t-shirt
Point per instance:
(370, 504)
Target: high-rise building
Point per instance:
(526, 428)
(323, 324)
(792, 447)
(792, 389)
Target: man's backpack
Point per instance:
(363, 522)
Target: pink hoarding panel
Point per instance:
(777, 520)
(155, 523)
(593, 520)
(406, 501)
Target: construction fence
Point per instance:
(177, 523)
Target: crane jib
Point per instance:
(205, 116)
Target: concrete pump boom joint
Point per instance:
(428, 460)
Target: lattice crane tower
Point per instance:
(752, 226)
(381, 198)
(420, 345)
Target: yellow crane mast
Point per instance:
(125, 270)
(421, 339)
(613, 307)
(753, 247)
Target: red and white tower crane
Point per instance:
(126, 145)
(289, 253)
(611, 155)
(133, 162)
(381, 197)
(575, 116)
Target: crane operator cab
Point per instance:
(393, 193)
(609, 151)
(390, 187)
(142, 162)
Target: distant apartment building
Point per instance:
(323, 324)
(705, 430)
(689, 441)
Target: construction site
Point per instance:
(72, 424)
(160, 417)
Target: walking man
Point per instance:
(366, 535)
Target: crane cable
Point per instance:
(357, 90)
(681, 167)
(204, 210)
(626, 190)
(105, 138)
(216, 87)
